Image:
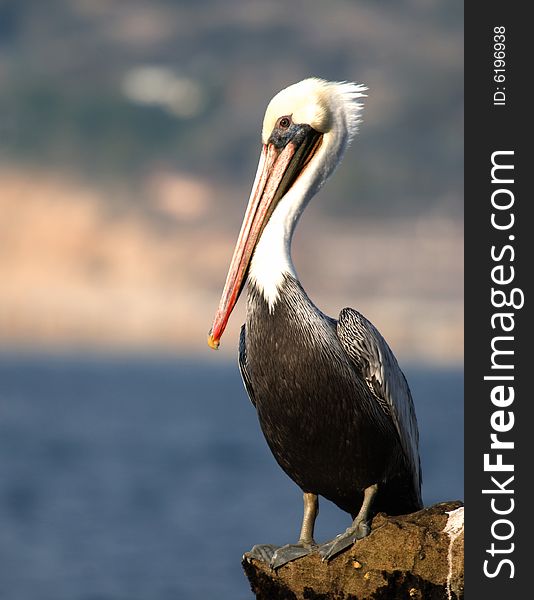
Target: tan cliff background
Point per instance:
(129, 134)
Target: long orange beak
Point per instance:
(277, 170)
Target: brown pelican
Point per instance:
(332, 402)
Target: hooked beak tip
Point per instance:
(212, 342)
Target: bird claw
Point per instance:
(344, 540)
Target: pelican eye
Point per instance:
(284, 122)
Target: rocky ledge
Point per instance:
(418, 556)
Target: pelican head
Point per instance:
(320, 104)
(306, 129)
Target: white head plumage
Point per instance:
(318, 103)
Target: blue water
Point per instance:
(137, 479)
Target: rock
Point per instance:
(417, 556)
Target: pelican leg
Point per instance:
(359, 529)
(306, 543)
(278, 556)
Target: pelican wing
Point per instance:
(377, 364)
(243, 367)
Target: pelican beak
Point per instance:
(281, 162)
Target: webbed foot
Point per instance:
(344, 540)
(277, 556)
(290, 552)
(263, 552)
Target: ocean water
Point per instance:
(147, 479)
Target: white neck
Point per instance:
(272, 256)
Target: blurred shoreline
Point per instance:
(77, 275)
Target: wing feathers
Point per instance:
(378, 366)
